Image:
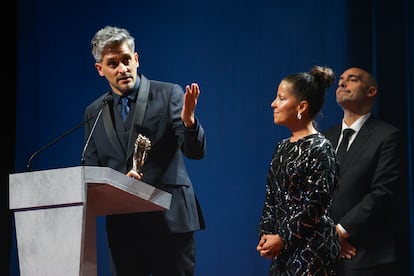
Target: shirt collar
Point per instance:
(356, 126)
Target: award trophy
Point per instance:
(142, 146)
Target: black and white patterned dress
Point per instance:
(300, 183)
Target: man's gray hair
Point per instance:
(110, 36)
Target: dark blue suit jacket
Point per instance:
(159, 105)
(365, 203)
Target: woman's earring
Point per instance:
(299, 116)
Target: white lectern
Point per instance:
(55, 215)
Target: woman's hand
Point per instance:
(270, 245)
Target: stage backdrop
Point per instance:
(237, 51)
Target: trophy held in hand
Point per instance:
(142, 146)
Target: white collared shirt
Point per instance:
(356, 126)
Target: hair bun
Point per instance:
(324, 75)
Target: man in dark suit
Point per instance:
(162, 242)
(364, 206)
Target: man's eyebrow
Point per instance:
(350, 76)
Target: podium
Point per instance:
(55, 215)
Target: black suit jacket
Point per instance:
(156, 115)
(365, 202)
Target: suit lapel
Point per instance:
(335, 137)
(139, 112)
(110, 130)
(359, 143)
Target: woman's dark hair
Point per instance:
(311, 87)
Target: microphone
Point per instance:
(108, 98)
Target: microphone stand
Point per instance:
(28, 166)
(108, 98)
(90, 136)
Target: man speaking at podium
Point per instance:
(160, 242)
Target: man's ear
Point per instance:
(372, 91)
(98, 67)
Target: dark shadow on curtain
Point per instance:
(7, 167)
(377, 35)
(391, 66)
(8, 113)
(360, 37)
(408, 12)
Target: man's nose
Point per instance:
(122, 67)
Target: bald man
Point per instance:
(364, 206)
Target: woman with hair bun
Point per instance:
(295, 229)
